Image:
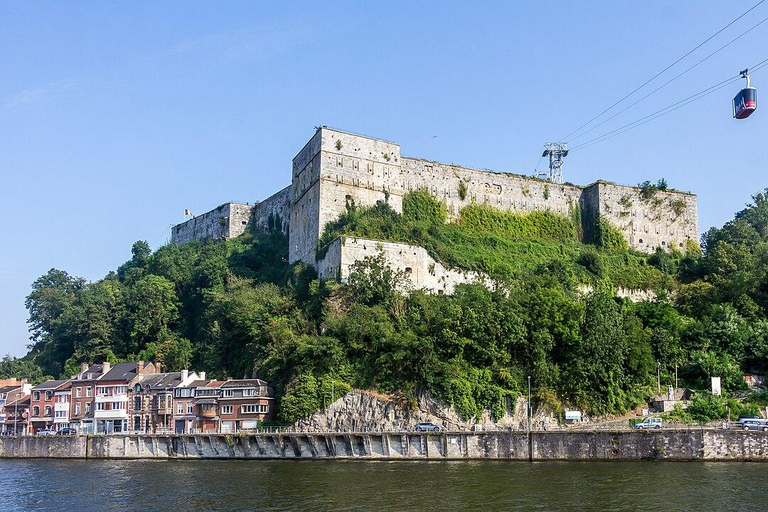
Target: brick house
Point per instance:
(206, 405)
(154, 401)
(14, 409)
(184, 415)
(61, 405)
(81, 398)
(42, 403)
(9, 388)
(112, 407)
(243, 403)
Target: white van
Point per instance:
(648, 423)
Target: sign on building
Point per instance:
(716, 386)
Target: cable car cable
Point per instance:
(665, 69)
(671, 80)
(666, 110)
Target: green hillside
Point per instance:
(237, 308)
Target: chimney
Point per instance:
(139, 367)
(202, 375)
(229, 379)
(158, 367)
(83, 367)
(106, 366)
(184, 376)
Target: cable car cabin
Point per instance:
(745, 103)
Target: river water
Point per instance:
(186, 486)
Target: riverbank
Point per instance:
(673, 445)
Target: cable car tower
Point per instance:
(556, 151)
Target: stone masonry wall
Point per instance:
(226, 221)
(422, 271)
(277, 205)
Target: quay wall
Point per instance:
(681, 445)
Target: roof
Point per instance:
(122, 372)
(243, 383)
(50, 384)
(94, 369)
(213, 384)
(8, 389)
(199, 383)
(161, 380)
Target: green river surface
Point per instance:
(182, 486)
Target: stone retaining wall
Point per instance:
(694, 444)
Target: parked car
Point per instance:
(426, 426)
(67, 431)
(46, 432)
(648, 423)
(748, 417)
(6, 433)
(754, 424)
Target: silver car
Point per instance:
(754, 424)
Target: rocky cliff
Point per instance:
(366, 411)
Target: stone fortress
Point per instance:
(337, 168)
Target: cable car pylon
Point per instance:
(746, 101)
(556, 151)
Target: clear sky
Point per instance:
(116, 116)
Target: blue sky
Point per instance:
(115, 117)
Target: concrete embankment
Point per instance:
(536, 446)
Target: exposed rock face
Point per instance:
(362, 411)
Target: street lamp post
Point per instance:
(529, 404)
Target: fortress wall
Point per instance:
(226, 221)
(508, 192)
(278, 204)
(421, 270)
(666, 220)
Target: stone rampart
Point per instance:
(680, 445)
(421, 270)
(226, 221)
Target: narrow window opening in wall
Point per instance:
(641, 240)
(244, 222)
(408, 270)
(439, 292)
(663, 242)
(680, 244)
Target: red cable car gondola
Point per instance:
(746, 101)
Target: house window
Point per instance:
(228, 393)
(179, 408)
(226, 409)
(48, 410)
(48, 395)
(101, 406)
(78, 392)
(253, 409)
(37, 395)
(249, 392)
(87, 407)
(88, 391)
(35, 411)
(137, 403)
(77, 409)
(189, 408)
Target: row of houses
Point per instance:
(135, 398)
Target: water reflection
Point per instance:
(371, 485)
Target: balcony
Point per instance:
(110, 414)
(61, 406)
(121, 397)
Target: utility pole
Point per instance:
(675, 376)
(529, 403)
(658, 376)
